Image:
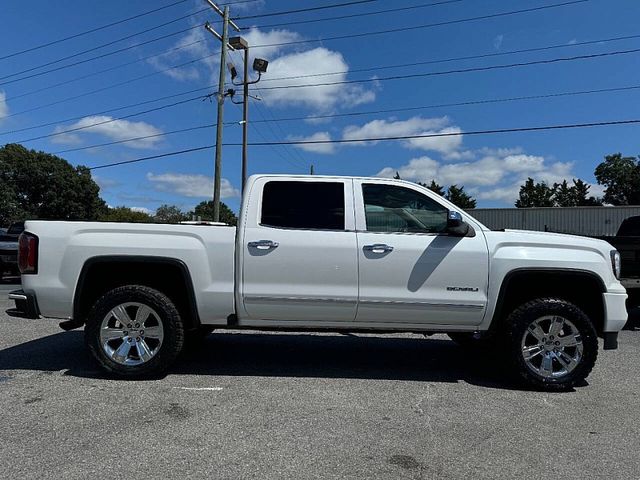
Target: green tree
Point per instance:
(535, 195)
(581, 194)
(459, 197)
(10, 210)
(204, 210)
(35, 184)
(125, 214)
(563, 195)
(434, 187)
(621, 178)
(169, 214)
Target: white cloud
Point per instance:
(497, 175)
(326, 148)
(190, 47)
(105, 183)
(317, 61)
(191, 185)
(4, 108)
(447, 145)
(141, 210)
(110, 128)
(256, 36)
(199, 44)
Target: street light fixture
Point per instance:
(260, 66)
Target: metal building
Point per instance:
(590, 221)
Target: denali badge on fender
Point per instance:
(462, 289)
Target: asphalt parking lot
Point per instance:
(261, 405)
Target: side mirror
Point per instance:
(456, 226)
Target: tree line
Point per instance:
(619, 175)
(38, 185)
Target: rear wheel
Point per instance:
(134, 331)
(553, 344)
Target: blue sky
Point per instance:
(489, 166)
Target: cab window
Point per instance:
(391, 208)
(303, 205)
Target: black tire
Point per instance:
(523, 317)
(173, 330)
(485, 341)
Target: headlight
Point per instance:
(615, 263)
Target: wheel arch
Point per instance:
(581, 287)
(102, 273)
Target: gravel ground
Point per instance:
(262, 405)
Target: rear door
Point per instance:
(410, 270)
(299, 253)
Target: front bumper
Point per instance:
(26, 304)
(615, 317)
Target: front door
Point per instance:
(299, 257)
(411, 271)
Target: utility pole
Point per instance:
(245, 116)
(260, 66)
(311, 169)
(224, 38)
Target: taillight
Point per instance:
(28, 253)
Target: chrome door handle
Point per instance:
(378, 248)
(263, 244)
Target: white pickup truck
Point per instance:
(330, 254)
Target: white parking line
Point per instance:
(201, 389)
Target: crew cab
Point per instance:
(330, 254)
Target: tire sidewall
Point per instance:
(520, 320)
(168, 315)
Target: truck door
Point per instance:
(299, 255)
(411, 270)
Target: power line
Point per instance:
(462, 104)
(79, 62)
(427, 62)
(467, 57)
(295, 154)
(449, 72)
(380, 139)
(86, 32)
(143, 137)
(340, 37)
(354, 15)
(111, 110)
(394, 77)
(110, 69)
(152, 157)
(369, 112)
(308, 9)
(428, 25)
(84, 127)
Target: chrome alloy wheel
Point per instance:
(552, 346)
(131, 334)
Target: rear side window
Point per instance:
(303, 205)
(391, 208)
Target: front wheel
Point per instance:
(134, 331)
(553, 344)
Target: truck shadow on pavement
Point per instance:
(253, 354)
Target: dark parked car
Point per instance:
(627, 242)
(9, 249)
